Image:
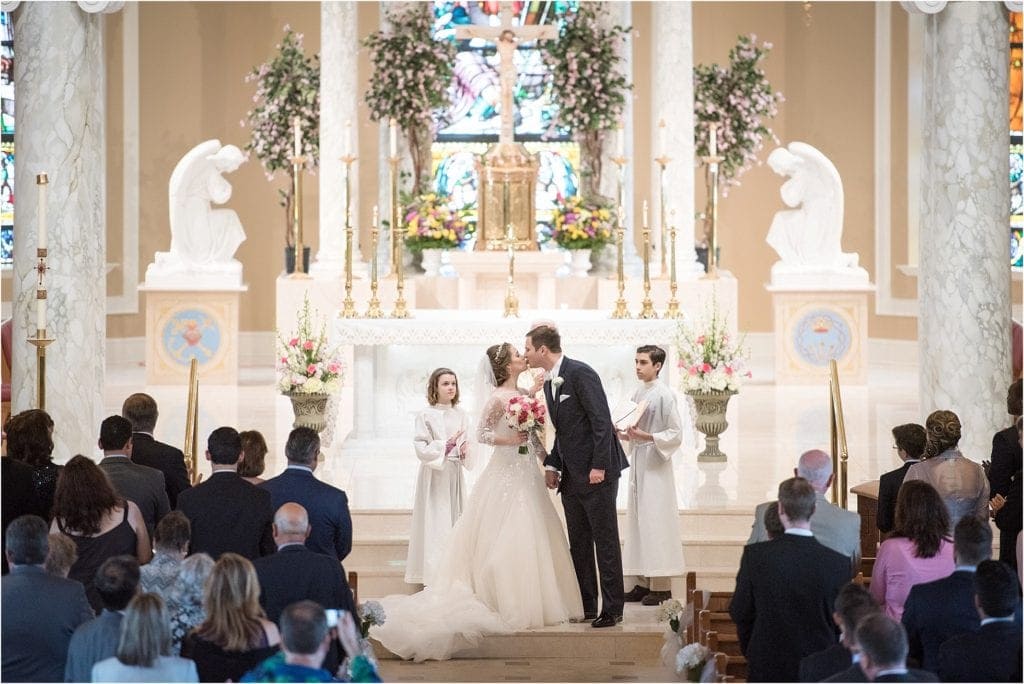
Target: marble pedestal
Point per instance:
(185, 324)
(814, 326)
(482, 281)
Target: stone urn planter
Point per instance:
(710, 409)
(310, 409)
(438, 262)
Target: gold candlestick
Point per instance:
(647, 307)
(374, 310)
(673, 303)
(620, 237)
(40, 342)
(401, 309)
(662, 162)
(712, 160)
(511, 301)
(300, 265)
(396, 256)
(348, 306)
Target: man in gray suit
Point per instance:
(117, 581)
(40, 611)
(138, 483)
(836, 528)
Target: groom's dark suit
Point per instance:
(585, 440)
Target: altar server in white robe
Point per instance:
(653, 550)
(443, 448)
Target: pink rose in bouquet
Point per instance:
(525, 414)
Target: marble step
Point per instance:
(529, 669)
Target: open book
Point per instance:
(627, 414)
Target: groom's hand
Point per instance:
(596, 476)
(551, 478)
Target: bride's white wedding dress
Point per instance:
(506, 567)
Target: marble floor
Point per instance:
(769, 426)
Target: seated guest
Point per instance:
(853, 604)
(185, 602)
(171, 542)
(18, 496)
(296, 573)
(993, 653)
(144, 648)
(254, 455)
(883, 651)
(772, 522)
(63, 554)
(936, 611)
(792, 581)
(117, 581)
(141, 411)
(227, 513)
(327, 506)
(835, 527)
(101, 524)
(919, 550)
(908, 440)
(138, 483)
(30, 440)
(236, 635)
(39, 611)
(960, 482)
(305, 640)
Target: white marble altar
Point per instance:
(964, 278)
(60, 110)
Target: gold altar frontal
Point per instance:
(507, 167)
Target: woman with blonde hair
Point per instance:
(144, 650)
(236, 635)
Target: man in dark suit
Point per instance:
(908, 441)
(138, 483)
(936, 611)
(993, 653)
(40, 611)
(785, 590)
(140, 409)
(584, 465)
(297, 573)
(227, 513)
(18, 496)
(1005, 462)
(853, 604)
(327, 506)
(883, 651)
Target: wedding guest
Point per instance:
(102, 525)
(772, 522)
(171, 543)
(254, 454)
(909, 442)
(441, 444)
(236, 635)
(652, 554)
(144, 648)
(18, 496)
(919, 551)
(305, 640)
(63, 554)
(30, 440)
(141, 410)
(185, 602)
(142, 485)
(1004, 476)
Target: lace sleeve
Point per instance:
(494, 409)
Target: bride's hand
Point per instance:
(520, 438)
(538, 383)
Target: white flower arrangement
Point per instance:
(370, 613)
(691, 657)
(670, 611)
(304, 362)
(709, 360)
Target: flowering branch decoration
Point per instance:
(287, 87)
(409, 82)
(741, 101)
(305, 364)
(588, 85)
(709, 360)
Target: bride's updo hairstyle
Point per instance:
(500, 356)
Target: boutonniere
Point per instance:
(557, 382)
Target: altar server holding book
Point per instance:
(442, 446)
(653, 552)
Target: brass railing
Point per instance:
(192, 425)
(837, 435)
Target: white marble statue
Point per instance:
(808, 237)
(203, 239)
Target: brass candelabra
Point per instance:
(374, 310)
(673, 303)
(620, 237)
(647, 306)
(662, 162)
(712, 160)
(300, 262)
(401, 308)
(396, 256)
(41, 341)
(348, 306)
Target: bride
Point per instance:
(507, 565)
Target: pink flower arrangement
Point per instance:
(525, 414)
(305, 363)
(431, 223)
(708, 360)
(579, 224)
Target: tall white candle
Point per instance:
(40, 314)
(348, 137)
(620, 141)
(296, 138)
(713, 140)
(393, 138)
(661, 138)
(645, 214)
(41, 183)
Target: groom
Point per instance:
(584, 465)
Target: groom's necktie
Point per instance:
(550, 398)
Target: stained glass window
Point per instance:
(6, 139)
(472, 121)
(1016, 144)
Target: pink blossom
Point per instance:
(706, 368)
(333, 367)
(311, 369)
(294, 342)
(700, 340)
(308, 345)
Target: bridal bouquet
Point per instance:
(305, 365)
(692, 659)
(525, 414)
(709, 359)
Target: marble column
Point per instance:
(339, 98)
(59, 115)
(672, 55)
(964, 276)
